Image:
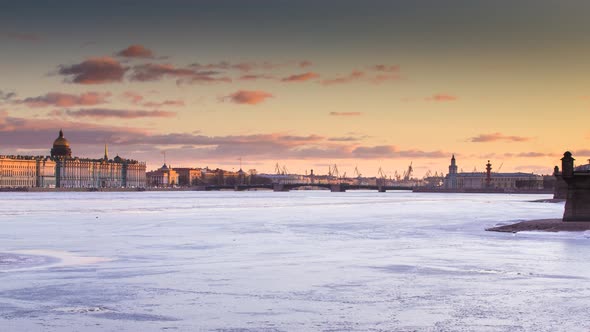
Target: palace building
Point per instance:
(61, 170)
(488, 180)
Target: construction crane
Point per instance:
(281, 170)
(333, 172)
(357, 174)
(381, 173)
(408, 173)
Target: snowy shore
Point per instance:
(544, 225)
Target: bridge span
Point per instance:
(281, 187)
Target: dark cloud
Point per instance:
(94, 71)
(136, 51)
(345, 139)
(86, 137)
(66, 100)
(386, 68)
(355, 75)
(250, 66)
(533, 154)
(375, 74)
(154, 71)
(390, 151)
(494, 137)
(6, 96)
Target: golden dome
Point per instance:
(61, 147)
(61, 141)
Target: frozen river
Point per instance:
(298, 261)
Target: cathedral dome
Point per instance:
(61, 147)
(61, 141)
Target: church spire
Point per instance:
(106, 152)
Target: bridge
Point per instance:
(281, 187)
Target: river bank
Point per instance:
(543, 225)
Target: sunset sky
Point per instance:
(302, 83)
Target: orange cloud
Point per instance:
(305, 63)
(136, 51)
(345, 113)
(133, 97)
(253, 77)
(66, 100)
(137, 99)
(164, 103)
(301, 77)
(101, 113)
(442, 98)
(484, 138)
(249, 97)
(355, 75)
(95, 71)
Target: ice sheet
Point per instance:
(297, 261)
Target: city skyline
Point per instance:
(303, 84)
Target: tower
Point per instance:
(488, 175)
(567, 165)
(453, 166)
(106, 152)
(451, 180)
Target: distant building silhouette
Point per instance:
(488, 180)
(61, 170)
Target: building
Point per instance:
(61, 170)
(26, 172)
(577, 204)
(163, 177)
(488, 180)
(74, 172)
(188, 176)
(451, 179)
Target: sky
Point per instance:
(305, 84)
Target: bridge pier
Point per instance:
(279, 187)
(337, 188)
(381, 189)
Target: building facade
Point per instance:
(61, 170)
(490, 181)
(26, 172)
(188, 176)
(163, 177)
